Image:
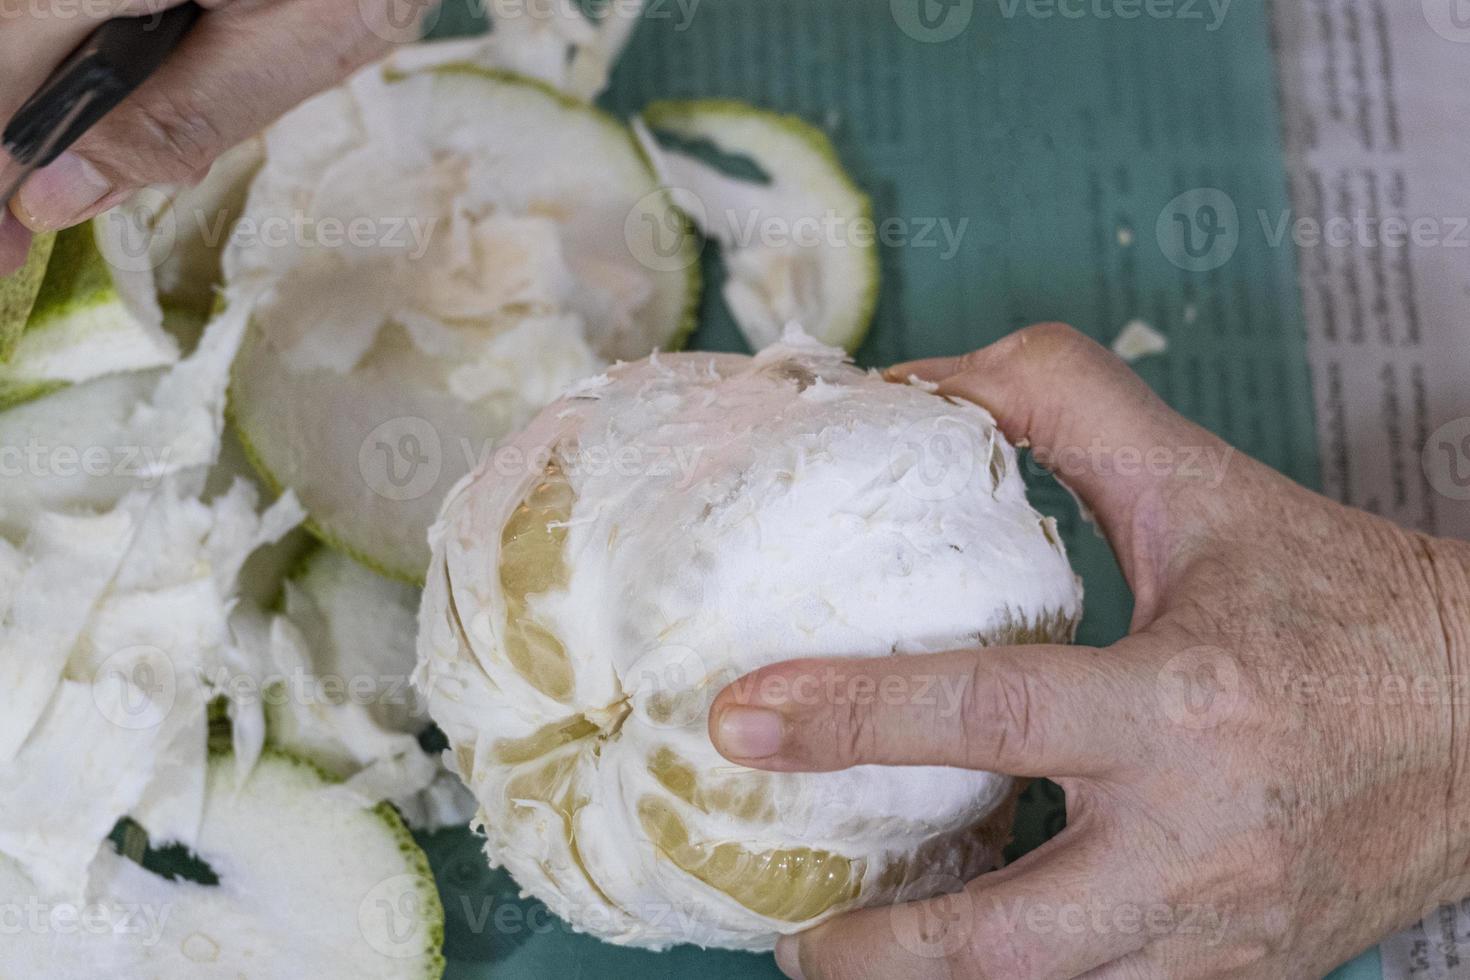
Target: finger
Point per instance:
(1099, 427)
(1136, 966)
(242, 68)
(15, 243)
(37, 36)
(1028, 711)
(1036, 924)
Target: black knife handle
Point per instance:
(109, 66)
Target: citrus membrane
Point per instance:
(378, 372)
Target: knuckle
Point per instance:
(183, 138)
(854, 731)
(999, 721)
(1045, 341)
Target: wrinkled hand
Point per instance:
(246, 64)
(1266, 777)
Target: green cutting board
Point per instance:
(1070, 157)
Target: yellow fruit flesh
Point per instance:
(788, 884)
(513, 752)
(554, 783)
(745, 797)
(533, 561)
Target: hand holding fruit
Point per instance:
(1265, 778)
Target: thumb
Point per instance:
(242, 67)
(1098, 427)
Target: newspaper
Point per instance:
(1373, 96)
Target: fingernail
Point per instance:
(63, 194)
(750, 733)
(788, 957)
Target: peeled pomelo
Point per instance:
(676, 524)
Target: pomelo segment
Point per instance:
(533, 561)
(525, 258)
(799, 249)
(308, 885)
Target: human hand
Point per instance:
(247, 63)
(1267, 776)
